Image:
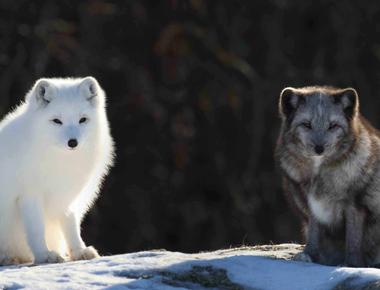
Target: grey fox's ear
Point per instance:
(43, 92)
(289, 102)
(90, 88)
(349, 100)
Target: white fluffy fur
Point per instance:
(324, 211)
(47, 187)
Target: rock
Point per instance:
(258, 267)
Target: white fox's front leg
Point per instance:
(77, 248)
(33, 220)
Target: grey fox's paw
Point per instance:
(354, 262)
(85, 254)
(303, 257)
(49, 257)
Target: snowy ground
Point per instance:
(264, 267)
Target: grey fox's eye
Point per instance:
(306, 125)
(333, 126)
(57, 121)
(83, 120)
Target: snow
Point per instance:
(263, 267)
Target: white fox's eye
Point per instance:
(83, 120)
(57, 121)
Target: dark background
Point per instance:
(192, 90)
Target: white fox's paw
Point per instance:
(303, 257)
(49, 257)
(6, 261)
(85, 254)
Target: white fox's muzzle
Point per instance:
(72, 143)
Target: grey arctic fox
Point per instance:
(330, 159)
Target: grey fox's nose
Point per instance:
(72, 143)
(319, 149)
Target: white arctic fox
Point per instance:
(55, 149)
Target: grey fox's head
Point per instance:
(318, 121)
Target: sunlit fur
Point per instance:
(339, 186)
(46, 186)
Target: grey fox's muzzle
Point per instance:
(319, 149)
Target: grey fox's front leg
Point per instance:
(297, 200)
(71, 231)
(33, 221)
(313, 236)
(355, 219)
(311, 251)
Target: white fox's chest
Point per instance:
(61, 178)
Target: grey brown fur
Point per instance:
(330, 159)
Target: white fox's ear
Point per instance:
(90, 89)
(42, 92)
(289, 102)
(349, 99)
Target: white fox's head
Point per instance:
(66, 110)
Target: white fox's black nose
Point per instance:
(72, 143)
(319, 149)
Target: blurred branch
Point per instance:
(226, 58)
